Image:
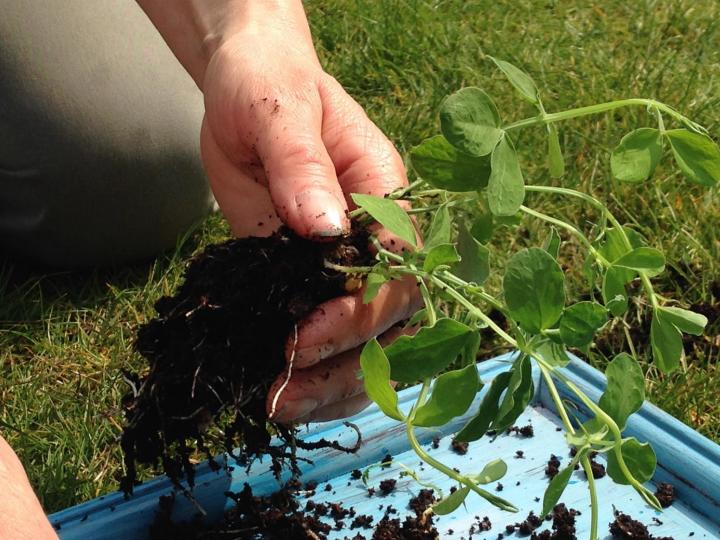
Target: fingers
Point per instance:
(321, 385)
(300, 173)
(365, 160)
(238, 190)
(341, 409)
(345, 322)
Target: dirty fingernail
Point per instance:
(296, 409)
(322, 211)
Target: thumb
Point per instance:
(301, 176)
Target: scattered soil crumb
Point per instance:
(388, 486)
(563, 526)
(665, 493)
(458, 447)
(553, 466)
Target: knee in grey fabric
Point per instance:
(99, 135)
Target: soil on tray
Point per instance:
(626, 527)
(563, 525)
(665, 494)
(218, 343)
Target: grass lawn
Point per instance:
(64, 338)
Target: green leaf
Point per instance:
(666, 342)
(556, 488)
(441, 254)
(643, 259)
(580, 322)
(684, 320)
(443, 166)
(625, 390)
(492, 472)
(506, 187)
(376, 375)
(613, 247)
(552, 243)
(639, 458)
(483, 228)
(613, 291)
(522, 82)
(452, 502)
(534, 287)
(388, 214)
(697, 156)
(474, 265)
(440, 228)
(479, 424)
(556, 162)
(432, 349)
(373, 282)
(470, 121)
(553, 353)
(637, 155)
(452, 394)
(419, 317)
(519, 393)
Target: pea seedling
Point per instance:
(470, 181)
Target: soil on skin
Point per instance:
(625, 527)
(217, 344)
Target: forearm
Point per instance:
(195, 29)
(21, 516)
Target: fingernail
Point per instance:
(323, 213)
(296, 409)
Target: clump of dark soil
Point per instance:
(218, 343)
(387, 486)
(524, 528)
(525, 431)
(418, 527)
(625, 527)
(458, 447)
(553, 466)
(563, 526)
(665, 493)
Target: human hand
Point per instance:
(282, 142)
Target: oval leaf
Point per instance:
(442, 254)
(666, 342)
(483, 228)
(522, 82)
(388, 214)
(552, 243)
(613, 290)
(534, 287)
(519, 393)
(637, 155)
(432, 349)
(580, 322)
(555, 489)
(556, 162)
(440, 228)
(639, 458)
(474, 265)
(697, 156)
(492, 472)
(376, 376)
(642, 259)
(479, 424)
(625, 390)
(684, 320)
(470, 121)
(451, 503)
(443, 166)
(452, 394)
(506, 187)
(553, 354)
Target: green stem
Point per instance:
(505, 505)
(611, 218)
(594, 510)
(595, 109)
(348, 269)
(572, 229)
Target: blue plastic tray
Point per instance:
(686, 459)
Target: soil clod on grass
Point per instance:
(218, 343)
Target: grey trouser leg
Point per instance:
(99, 134)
